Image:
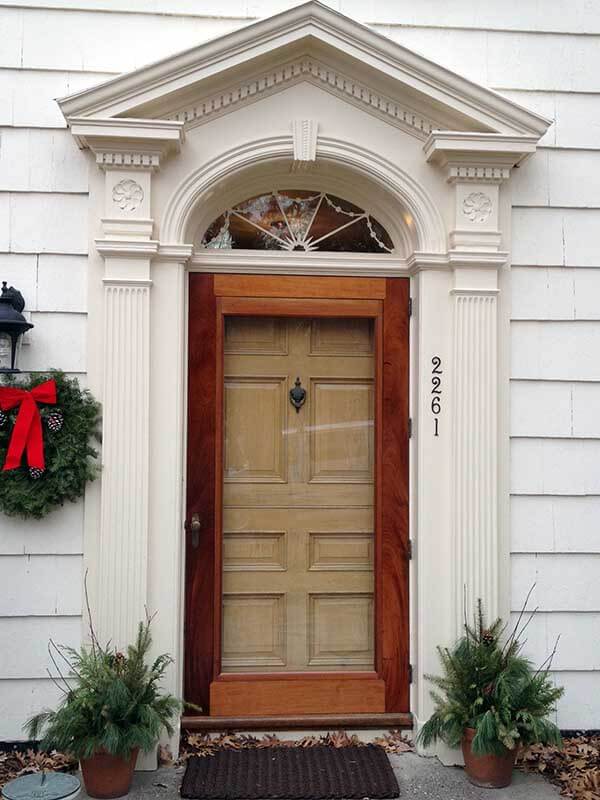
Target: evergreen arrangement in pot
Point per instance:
(491, 701)
(114, 709)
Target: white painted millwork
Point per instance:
(372, 108)
(120, 568)
(474, 462)
(447, 224)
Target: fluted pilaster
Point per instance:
(474, 454)
(123, 546)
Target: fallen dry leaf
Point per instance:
(205, 744)
(395, 742)
(575, 767)
(14, 763)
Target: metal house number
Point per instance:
(436, 392)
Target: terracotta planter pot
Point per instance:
(490, 771)
(107, 776)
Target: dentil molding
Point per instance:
(317, 73)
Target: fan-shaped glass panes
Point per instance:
(297, 220)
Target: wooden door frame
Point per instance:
(212, 297)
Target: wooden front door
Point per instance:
(297, 579)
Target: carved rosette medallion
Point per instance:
(477, 207)
(128, 195)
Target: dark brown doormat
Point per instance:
(294, 773)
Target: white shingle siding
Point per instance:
(529, 51)
(40, 585)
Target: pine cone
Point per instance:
(35, 473)
(487, 638)
(55, 420)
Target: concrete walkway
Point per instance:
(418, 778)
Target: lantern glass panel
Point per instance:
(6, 351)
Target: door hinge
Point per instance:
(410, 306)
(410, 673)
(410, 426)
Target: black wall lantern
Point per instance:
(12, 326)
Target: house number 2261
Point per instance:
(436, 392)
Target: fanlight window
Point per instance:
(297, 220)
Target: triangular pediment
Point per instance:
(308, 43)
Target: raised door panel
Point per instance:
(340, 630)
(254, 630)
(255, 336)
(341, 434)
(255, 445)
(341, 337)
(346, 551)
(254, 551)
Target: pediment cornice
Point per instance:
(318, 73)
(297, 38)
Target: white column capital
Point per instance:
(476, 164)
(477, 157)
(127, 143)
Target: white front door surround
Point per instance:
(444, 196)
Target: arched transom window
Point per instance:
(297, 220)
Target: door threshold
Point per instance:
(306, 721)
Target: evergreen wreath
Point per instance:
(69, 430)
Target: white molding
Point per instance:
(477, 240)
(428, 228)
(319, 73)
(160, 130)
(280, 263)
(127, 159)
(477, 173)
(474, 291)
(477, 157)
(116, 228)
(297, 27)
(473, 259)
(142, 282)
(261, 262)
(455, 294)
(474, 484)
(128, 144)
(127, 248)
(123, 547)
(179, 253)
(304, 137)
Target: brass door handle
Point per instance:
(193, 526)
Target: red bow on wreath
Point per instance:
(27, 433)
